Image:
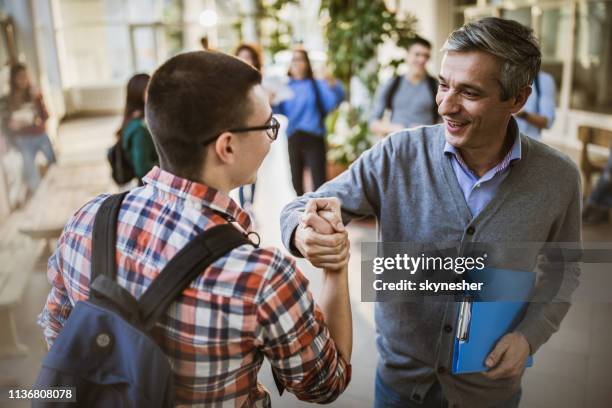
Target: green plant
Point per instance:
(354, 29)
(349, 135)
(274, 32)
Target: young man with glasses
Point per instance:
(212, 126)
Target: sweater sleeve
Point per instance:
(560, 275)
(359, 190)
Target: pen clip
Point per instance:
(465, 315)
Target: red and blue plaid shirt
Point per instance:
(215, 335)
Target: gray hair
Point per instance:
(511, 42)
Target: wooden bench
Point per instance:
(590, 165)
(63, 191)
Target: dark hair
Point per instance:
(193, 98)
(27, 93)
(134, 99)
(255, 54)
(418, 40)
(309, 74)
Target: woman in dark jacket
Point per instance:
(135, 137)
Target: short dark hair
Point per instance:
(418, 40)
(192, 98)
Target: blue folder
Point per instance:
(488, 315)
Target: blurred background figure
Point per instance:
(539, 111)
(312, 100)
(134, 134)
(25, 121)
(411, 98)
(251, 54)
(599, 202)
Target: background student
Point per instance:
(312, 100)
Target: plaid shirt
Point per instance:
(254, 303)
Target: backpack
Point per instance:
(122, 170)
(433, 88)
(105, 350)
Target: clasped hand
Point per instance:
(321, 237)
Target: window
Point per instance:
(106, 41)
(553, 30)
(591, 85)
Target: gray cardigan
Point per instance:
(408, 183)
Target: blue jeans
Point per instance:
(385, 397)
(29, 146)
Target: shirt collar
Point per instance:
(198, 194)
(515, 152)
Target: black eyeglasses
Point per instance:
(271, 129)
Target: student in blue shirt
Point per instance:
(539, 111)
(312, 100)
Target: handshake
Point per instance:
(321, 237)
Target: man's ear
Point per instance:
(225, 148)
(520, 99)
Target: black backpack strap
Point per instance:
(536, 84)
(319, 103)
(395, 82)
(104, 238)
(433, 87)
(184, 267)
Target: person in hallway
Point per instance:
(251, 54)
(135, 137)
(212, 125)
(410, 98)
(599, 202)
(539, 111)
(472, 179)
(25, 121)
(312, 100)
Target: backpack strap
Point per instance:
(104, 236)
(319, 103)
(433, 88)
(395, 82)
(184, 267)
(536, 84)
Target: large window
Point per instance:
(592, 64)
(106, 41)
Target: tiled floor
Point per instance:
(571, 370)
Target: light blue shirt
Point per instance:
(479, 191)
(542, 104)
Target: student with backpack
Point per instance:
(161, 296)
(410, 98)
(539, 110)
(313, 99)
(134, 151)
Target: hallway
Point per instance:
(570, 371)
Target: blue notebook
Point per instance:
(486, 316)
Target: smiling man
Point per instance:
(474, 178)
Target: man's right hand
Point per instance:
(321, 237)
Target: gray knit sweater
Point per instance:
(408, 183)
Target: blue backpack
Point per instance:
(105, 350)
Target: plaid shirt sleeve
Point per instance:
(58, 305)
(294, 337)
